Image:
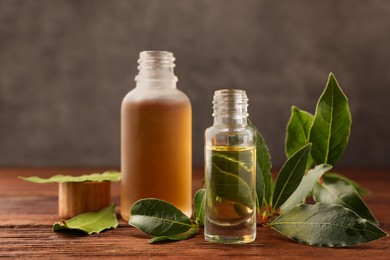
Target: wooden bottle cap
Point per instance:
(75, 198)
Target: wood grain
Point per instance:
(27, 212)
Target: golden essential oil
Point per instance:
(230, 171)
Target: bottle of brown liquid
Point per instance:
(156, 137)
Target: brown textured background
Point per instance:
(66, 65)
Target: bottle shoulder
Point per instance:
(169, 95)
(230, 129)
(223, 135)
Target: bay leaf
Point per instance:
(326, 225)
(331, 127)
(263, 169)
(90, 222)
(336, 191)
(298, 130)
(231, 176)
(199, 205)
(290, 176)
(159, 218)
(182, 236)
(305, 187)
(113, 176)
(260, 189)
(360, 189)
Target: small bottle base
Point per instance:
(230, 239)
(244, 232)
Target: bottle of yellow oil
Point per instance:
(230, 171)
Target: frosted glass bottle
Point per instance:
(156, 137)
(230, 171)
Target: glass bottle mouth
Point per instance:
(156, 65)
(231, 103)
(151, 60)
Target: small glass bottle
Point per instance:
(230, 171)
(156, 129)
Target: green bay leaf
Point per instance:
(260, 188)
(298, 130)
(230, 186)
(113, 176)
(231, 176)
(263, 169)
(336, 191)
(290, 176)
(305, 187)
(199, 205)
(360, 189)
(326, 225)
(90, 222)
(159, 218)
(331, 127)
(182, 236)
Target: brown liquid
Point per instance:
(156, 153)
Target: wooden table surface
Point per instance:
(27, 212)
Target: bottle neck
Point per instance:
(156, 69)
(230, 107)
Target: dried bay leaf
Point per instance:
(113, 176)
(182, 236)
(91, 222)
